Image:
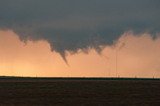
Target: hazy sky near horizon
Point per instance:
(138, 57)
(38, 34)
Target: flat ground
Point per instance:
(102, 92)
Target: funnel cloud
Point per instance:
(73, 25)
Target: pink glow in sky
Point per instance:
(136, 56)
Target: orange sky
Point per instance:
(139, 56)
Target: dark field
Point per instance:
(102, 92)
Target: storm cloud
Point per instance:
(73, 25)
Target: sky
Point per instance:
(98, 38)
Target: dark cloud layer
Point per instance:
(70, 25)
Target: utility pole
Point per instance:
(116, 62)
(118, 48)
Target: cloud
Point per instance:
(138, 57)
(70, 26)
